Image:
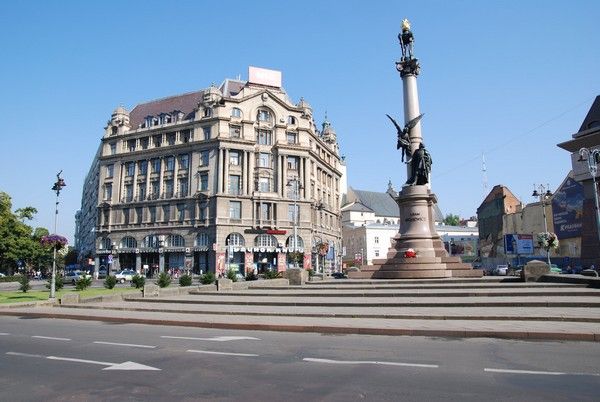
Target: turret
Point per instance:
(118, 123)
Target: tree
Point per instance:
(452, 220)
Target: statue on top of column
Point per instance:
(406, 40)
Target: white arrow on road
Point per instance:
(215, 338)
(110, 366)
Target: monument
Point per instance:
(417, 250)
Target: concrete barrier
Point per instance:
(224, 284)
(151, 290)
(534, 270)
(296, 276)
(69, 298)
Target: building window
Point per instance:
(264, 115)
(139, 213)
(183, 188)
(143, 167)
(264, 184)
(204, 158)
(171, 138)
(201, 240)
(265, 240)
(376, 253)
(184, 161)
(170, 160)
(113, 148)
(376, 239)
(110, 171)
(186, 136)
(203, 183)
(144, 141)
(235, 131)
(155, 186)
(131, 145)
(166, 213)
(202, 213)
(208, 112)
(235, 209)
(292, 138)
(129, 192)
(126, 216)
(293, 213)
(157, 140)
(128, 242)
(265, 211)
(130, 169)
(206, 132)
(236, 239)
(142, 192)
(235, 112)
(292, 162)
(168, 188)
(291, 120)
(264, 160)
(264, 137)
(150, 242)
(234, 184)
(234, 158)
(152, 213)
(155, 165)
(107, 192)
(174, 241)
(180, 212)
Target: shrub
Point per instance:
(207, 278)
(271, 274)
(110, 282)
(58, 283)
(232, 274)
(10, 278)
(311, 273)
(164, 280)
(83, 283)
(138, 281)
(24, 281)
(251, 276)
(185, 280)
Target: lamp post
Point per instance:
(57, 187)
(544, 194)
(318, 208)
(297, 187)
(592, 157)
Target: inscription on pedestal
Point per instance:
(414, 217)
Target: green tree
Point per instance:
(452, 220)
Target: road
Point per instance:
(58, 360)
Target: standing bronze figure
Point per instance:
(420, 167)
(406, 40)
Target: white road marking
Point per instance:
(215, 338)
(208, 352)
(129, 365)
(4, 334)
(329, 361)
(132, 345)
(507, 371)
(50, 337)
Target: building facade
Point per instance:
(231, 177)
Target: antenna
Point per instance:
(484, 179)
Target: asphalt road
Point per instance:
(65, 360)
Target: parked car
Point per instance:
(501, 270)
(554, 269)
(339, 275)
(125, 275)
(74, 276)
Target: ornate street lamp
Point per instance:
(57, 187)
(592, 157)
(544, 195)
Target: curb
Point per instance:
(521, 335)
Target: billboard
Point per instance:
(567, 209)
(264, 76)
(518, 244)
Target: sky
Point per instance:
(505, 79)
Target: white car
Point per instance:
(501, 270)
(74, 276)
(125, 275)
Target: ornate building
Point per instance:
(236, 176)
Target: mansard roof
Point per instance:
(185, 103)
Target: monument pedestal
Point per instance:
(417, 232)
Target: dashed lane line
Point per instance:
(533, 372)
(329, 361)
(210, 352)
(131, 345)
(214, 338)
(50, 338)
(4, 334)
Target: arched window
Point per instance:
(265, 240)
(264, 115)
(128, 242)
(291, 120)
(235, 239)
(202, 240)
(174, 241)
(151, 242)
(236, 112)
(105, 243)
(299, 243)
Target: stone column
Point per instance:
(220, 172)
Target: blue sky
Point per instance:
(509, 79)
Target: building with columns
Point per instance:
(235, 176)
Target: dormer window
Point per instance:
(208, 112)
(167, 119)
(291, 120)
(148, 122)
(264, 115)
(155, 121)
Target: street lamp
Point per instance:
(592, 157)
(57, 187)
(297, 187)
(318, 208)
(544, 194)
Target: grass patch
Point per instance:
(41, 295)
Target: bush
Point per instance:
(207, 278)
(58, 283)
(232, 274)
(24, 281)
(311, 273)
(271, 274)
(138, 281)
(83, 283)
(164, 280)
(110, 282)
(185, 280)
(251, 276)
(10, 278)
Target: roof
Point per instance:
(357, 207)
(380, 203)
(592, 119)
(185, 103)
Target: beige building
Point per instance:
(235, 176)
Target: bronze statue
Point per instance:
(404, 135)
(406, 39)
(420, 167)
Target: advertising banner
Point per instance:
(567, 209)
(518, 244)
